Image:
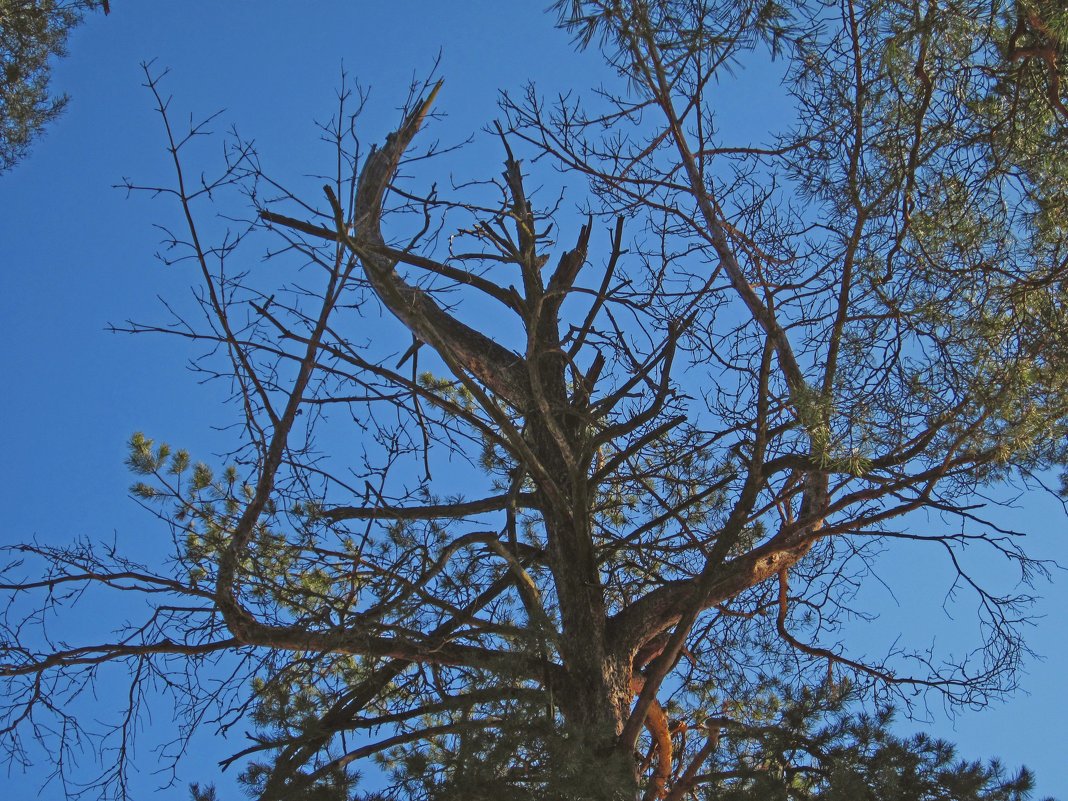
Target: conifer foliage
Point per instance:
(33, 33)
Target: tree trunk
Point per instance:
(596, 699)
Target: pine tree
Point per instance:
(604, 488)
(33, 33)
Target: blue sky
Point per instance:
(77, 254)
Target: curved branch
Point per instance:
(500, 370)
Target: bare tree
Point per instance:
(576, 509)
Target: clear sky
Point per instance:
(77, 254)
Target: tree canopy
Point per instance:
(577, 505)
(33, 33)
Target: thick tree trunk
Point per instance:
(596, 699)
(594, 704)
